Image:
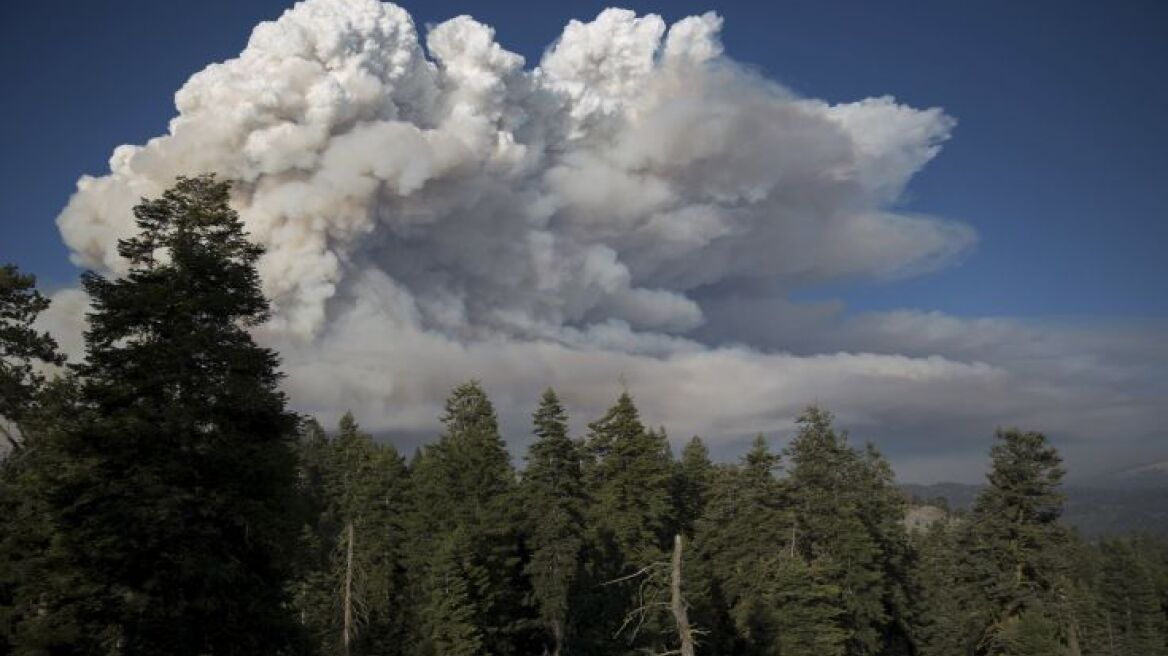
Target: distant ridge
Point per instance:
(1094, 510)
(1144, 475)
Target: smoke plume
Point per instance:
(439, 209)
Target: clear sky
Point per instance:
(1059, 159)
(1057, 164)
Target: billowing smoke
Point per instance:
(443, 210)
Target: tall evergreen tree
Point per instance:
(354, 594)
(34, 587)
(553, 493)
(1015, 544)
(170, 490)
(24, 535)
(776, 601)
(465, 523)
(831, 490)
(695, 474)
(629, 476)
(451, 620)
(631, 479)
(942, 623)
(1135, 623)
(21, 349)
(882, 506)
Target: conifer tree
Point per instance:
(170, 490)
(942, 624)
(353, 595)
(1015, 542)
(553, 493)
(830, 492)
(1081, 606)
(21, 349)
(1134, 620)
(777, 602)
(451, 621)
(744, 531)
(24, 535)
(694, 476)
(34, 586)
(629, 479)
(882, 507)
(464, 486)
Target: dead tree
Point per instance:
(685, 633)
(649, 599)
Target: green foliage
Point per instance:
(553, 495)
(450, 619)
(1134, 619)
(848, 513)
(741, 542)
(170, 488)
(21, 348)
(629, 478)
(942, 623)
(1031, 632)
(351, 482)
(695, 475)
(1015, 543)
(464, 485)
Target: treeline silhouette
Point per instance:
(159, 499)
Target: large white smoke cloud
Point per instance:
(443, 211)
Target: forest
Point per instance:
(160, 497)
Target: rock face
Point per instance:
(920, 518)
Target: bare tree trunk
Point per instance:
(1073, 648)
(347, 629)
(558, 636)
(677, 604)
(10, 436)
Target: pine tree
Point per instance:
(353, 592)
(553, 493)
(942, 621)
(1015, 543)
(170, 490)
(24, 535)
(21, 349)
(741, 536)
(1135, 622)
(811, 615)
(629, 477)
(313, 593)
(694, 476)
(776, 602)
(35, 587)
(831, 490)
(464, 486)
(1081, 605)
(882, 506)
(449, 614)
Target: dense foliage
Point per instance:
(158, 498)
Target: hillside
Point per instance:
(1094, 511)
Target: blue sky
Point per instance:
(1059, 160)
